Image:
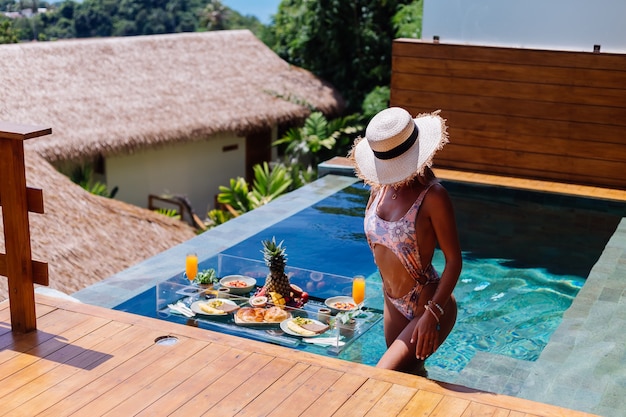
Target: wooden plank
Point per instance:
(57, 322)
(365, 398)
(563, 147)
(511, 111)
(245, 393)
(34, 200)
(193, 384)
(20, 132)
(501, 412)
(222, 386)
(450, 407)
(508, 126)
(568, 59)
(521, 72)
(423, 403)
(79, 369)
(34, 380)
(479, 410)
(5, 320)
(283, 388)
(24, 367)
(345, 389)
(586, 116)
(583, 95)
(192, 367)
(306, 394)
(40, 270)
(557, 177)
(74, 393)
(17, 236)
(165, 359)
(547, 164)
(392, 402)
(142, 353)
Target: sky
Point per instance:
(262, 9)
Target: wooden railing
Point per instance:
(17, 200)
(548, 115)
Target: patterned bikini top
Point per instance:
(399, 236)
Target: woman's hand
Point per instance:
(427, 335)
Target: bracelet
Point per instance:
(436, 305)
(427, 307)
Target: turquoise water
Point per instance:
(526, 256)
(502, 310)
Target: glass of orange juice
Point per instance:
(191, 266)
(358, 289)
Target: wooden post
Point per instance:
(17, 200)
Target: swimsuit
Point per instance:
(401, 238)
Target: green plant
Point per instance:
(83, 176)
(345, 317)
(218, 217)
(236, 197)
(268, 185)
(169, 212)
(318, 140)
(8, 34)
(206, 277)
(375, 101)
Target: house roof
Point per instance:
(115, 95)
(85, 238)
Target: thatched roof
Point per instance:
(113, 95)
(85, 238)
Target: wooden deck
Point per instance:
(91, 361)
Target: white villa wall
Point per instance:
(194, 169)
(575, 25)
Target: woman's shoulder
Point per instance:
(437, 194)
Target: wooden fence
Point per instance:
(549, 115)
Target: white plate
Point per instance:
(285, 328)
(240, 322)
(339, 299)
(195, 307)
(251, 282)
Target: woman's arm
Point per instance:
(438, 207)
(444, 223)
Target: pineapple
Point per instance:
(276, 258)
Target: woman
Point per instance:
(408, 214)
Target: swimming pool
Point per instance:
(526, 255)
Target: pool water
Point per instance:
(526, 256)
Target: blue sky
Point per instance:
(262, 9)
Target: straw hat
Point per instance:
(396, 147)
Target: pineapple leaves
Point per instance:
(274, 254)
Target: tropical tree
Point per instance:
(318, 140)
(375, 101)
(347, 43)
(407, 22)
(8, 34)
(214, 15)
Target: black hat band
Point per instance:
(401, 148)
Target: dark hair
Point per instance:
(427, 176)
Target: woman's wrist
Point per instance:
(431, 312)
(436, 307)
